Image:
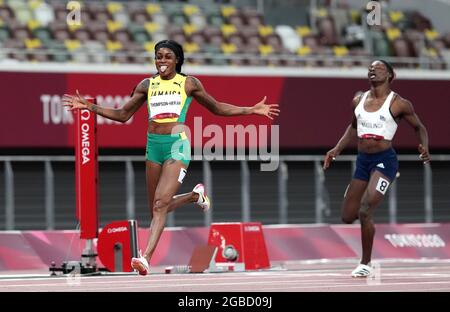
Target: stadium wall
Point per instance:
(420, 242)
(315, 103)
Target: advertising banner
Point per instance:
(315, 111)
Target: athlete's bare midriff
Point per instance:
(164, 128)
(371, 146)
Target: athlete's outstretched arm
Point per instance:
(349, 134)
(198, 92)
(407, 112)
(138, 97)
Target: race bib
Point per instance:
(165, 106)
(382, 185)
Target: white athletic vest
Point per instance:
(379, 125)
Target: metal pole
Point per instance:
(118, 257)
(282, 193)
(130, 190)
(88, 257)
(49, 196)
(171, 219)
(260, 6)
(368, 40)
(9, 196)
(318, 178)
(393, 203)
(312, 14)
(428, 192)
(245, 191)
(207, 178)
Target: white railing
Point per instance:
(93, 57)
(321, 194)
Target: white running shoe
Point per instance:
(362, 270)
(141, 265)
(203, 200)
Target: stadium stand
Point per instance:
(214, 33)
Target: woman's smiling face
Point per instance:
(165, 60)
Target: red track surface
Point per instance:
(292, 277)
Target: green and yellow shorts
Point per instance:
(161, 147)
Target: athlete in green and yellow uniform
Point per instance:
(168, 103)
(168, 94)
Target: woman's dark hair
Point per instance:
(177, 50)
(389, 68)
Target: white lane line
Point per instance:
(319, 278)
(217, 285)
(296, 272)
(213, 284)
(427, 289)
(172, 283)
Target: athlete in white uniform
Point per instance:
(376, 114)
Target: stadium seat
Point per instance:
(120, 58)
(61, 35)
(254, 20)
(249, 31)
(275, 41)
(416, 40)
(236, 20)
(379, 42)
(160, 19)
(446, 39)
(228, 10)
(20, 56)
(401, 47)
(3, 54)
(210, 32)
(312, 42)
(265, 30)
(82, 35)
(238, 41)
(122, 36)
(43, 13)
(60, 56)
(6, 14)
(237, 62)
(191, 47)
(179, 37)
(198, 38)
(327, 31)
(4, 33)
(215, 20)
(216, 40)
(101, 36)
(254, 41)
(265, 49)
(23, 14)
(177, 19)
(205, 26)
(289, 37)
(190, 10)
(198, 20)
(153, 8)
(189, 29)
(21, 33)
(43, 34)
(228, 29)
(420, 22)
(139, 34)
(140, 17)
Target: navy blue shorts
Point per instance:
(386, 162)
